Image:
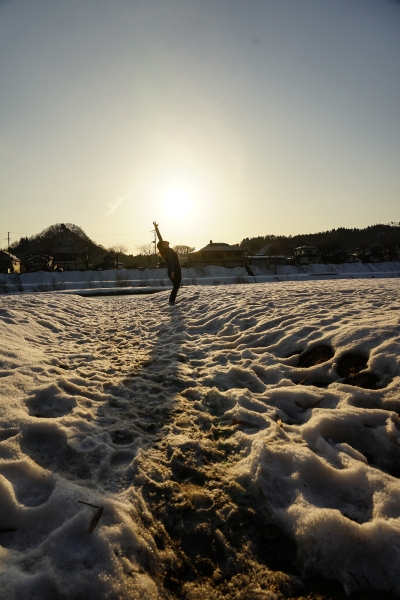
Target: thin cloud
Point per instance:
(112, 206)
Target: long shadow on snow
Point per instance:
(129, 416)
(150, 393)
(213, 527)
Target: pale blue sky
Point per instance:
(253, 116)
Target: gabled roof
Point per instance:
(9, 255)
(218, 247)
(306, 247)
(39, 257)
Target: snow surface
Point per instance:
(192, 427)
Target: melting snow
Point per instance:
(247, 438)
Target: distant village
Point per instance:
(66, 247)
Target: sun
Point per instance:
(178, 201)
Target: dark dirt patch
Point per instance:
(315, 356)
(351, 364)
(351, 369)
(210, 545)
(367, 381)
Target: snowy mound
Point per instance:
(246, 440)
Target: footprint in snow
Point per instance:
(32, 487)
(45, 405)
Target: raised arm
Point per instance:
(157, 231)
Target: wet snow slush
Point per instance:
(243, 445)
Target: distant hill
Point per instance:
(58, 239)
(65, 238)
(348, 239)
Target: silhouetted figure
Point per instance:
(173, 267)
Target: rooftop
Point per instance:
(9, 255)
(218, 246)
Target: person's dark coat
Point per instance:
(173, 264)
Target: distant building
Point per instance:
(108, 262)
(218, 254)
(372, 254)
(336, 256)
(305, 255)
(38, 262)
(9, 263)
(67, 261)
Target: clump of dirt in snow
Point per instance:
(315, 356)
(351, 368)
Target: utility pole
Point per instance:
(155, 241)
(8, 250)
(158, 235)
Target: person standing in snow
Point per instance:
(173, 266)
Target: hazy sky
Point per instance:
(220, 119)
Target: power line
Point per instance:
(94, 235)
(134, 242)
(120, 234)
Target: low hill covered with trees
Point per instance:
(60, 238)
(341, 238)
(68, 238)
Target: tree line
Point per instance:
(335, 239)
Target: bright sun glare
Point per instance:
(178, 201)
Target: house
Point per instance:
(218, 254)
(372, 254)
(9, 263)
(108, 263)
(336, 256)
(38, 262)
(67, 261)
(305, 255)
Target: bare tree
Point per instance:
(183, 250)
(149, 251)
(87, 250)
(146, 250)
(117, 250)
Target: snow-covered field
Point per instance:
(244, 443)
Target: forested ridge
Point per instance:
(341, 238)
